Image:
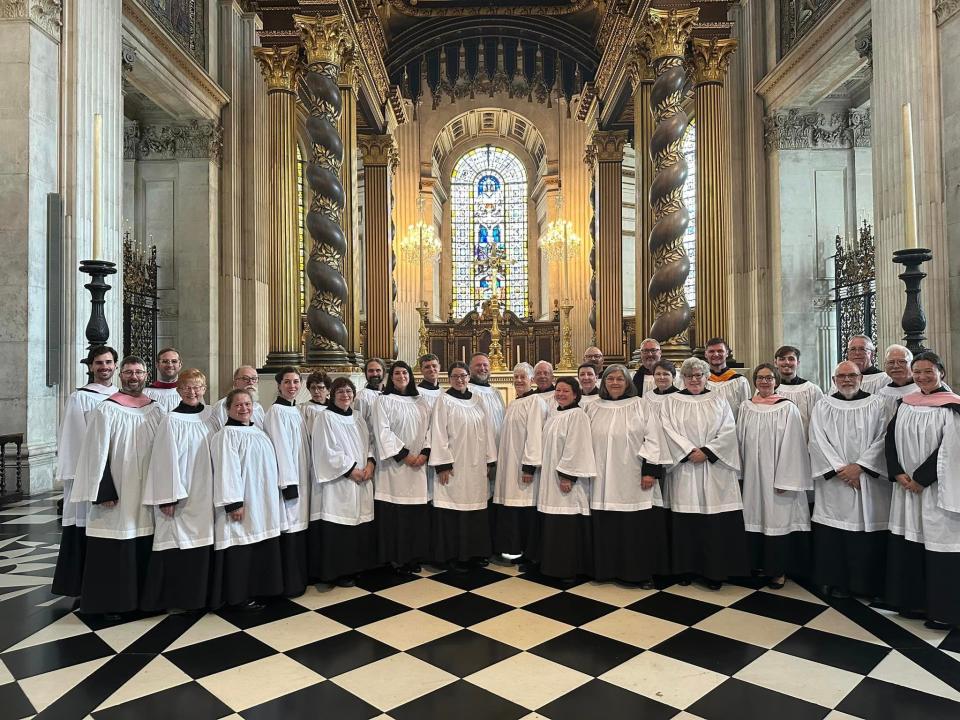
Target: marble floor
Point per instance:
(488, 644)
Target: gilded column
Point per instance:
(643, 133)
(323, 39)
(608, 263)
(667, 37)
(711, 58)
(378, 152)
(280, 70)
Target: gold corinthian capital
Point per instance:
(279, 66)
(323, 38)
(711, 58)
(668, 31)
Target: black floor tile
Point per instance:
(463, 653)
(13, 702)
(599, 698)
(470, 580)
(829, 649)
(675, 608)
(586, 651)
(54, 655)
(363, 610)
(738, 700)
(189, 700)
(276, 609)
(466, 609)
(213, 656)
(89, 694)
(556, 583)
(714, 652)
(99, 621)
(163, 634)
(341, 653)
(778, 607)
(461, 700)
(951, 642)
(323, 700)
(382, 578)
(878, 700)
(570, 609)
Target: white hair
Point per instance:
(692, 365)
(544, 362)
(898, 348)
(869, 342)
(526, 367)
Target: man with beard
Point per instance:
(367, 396)
(163, 390)
(896, 363)
(861, 351)
(650, 355)
(244, 378)
(110, 475)
(727, 383)
(803, 393)
(490, 397)
(102, 364)
(429, 387)
(852, 507)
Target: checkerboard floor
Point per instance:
(490, 644)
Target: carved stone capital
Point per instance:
(711, 58)
(638, 62)
(946, 9)
(668, 32)
(799, 129)
(377, 149)
(45, 14)
(609, 144)
(280, 67)
(128, 57)
(199, 139)
(863, 44)
(590, 157)
(322, 37)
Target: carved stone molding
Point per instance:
(408, 7)
(608, 145)
(946, 9)
(668, 32)
(863, 44)
(377, 149)
(797, 17)
(798, 129)
(711, 58)
(197, 140)
(324, 38)
(279, 67)
(128, 57)
(45, 14)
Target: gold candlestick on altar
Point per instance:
(496, 353)
(422, 334)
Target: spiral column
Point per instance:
(323, 40)
(590, 160)
(642, 132)
(667, 38)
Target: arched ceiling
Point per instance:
(493, 123)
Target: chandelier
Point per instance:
(559, 241)
(420, 244)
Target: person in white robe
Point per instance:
(284, 425)
(179, 489)
(923, 460)
(101, 364)
(246, 378)
(707, 531)
(366, 397)
(896, 364)
(664, 383)
(562, 542)
(248, 517)
(626, 507)
(802, 393)
(775, 467)
(726, 382)
(318, 385)
(343, 462)
(489, 396)
(163, 390)
(462, 448)
(518, 465)
(650, 354)
(429, 386)
(861, 351)
(109, 475)
(852, 494)
(401, 443)
(589, 378)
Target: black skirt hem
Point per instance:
(68, 575)
(178, 579)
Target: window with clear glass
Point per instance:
(689, 149)
(488, 190)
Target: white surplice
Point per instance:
(310, 410)
(624, 434)
(121, 439)
(400, 423)
(805, 396)
(567, 449)
(340, 444)
(287, 430)
(363, 403)
(701, 421)
(521, 443)
(70, 442)
(245, 471)
(493, 403)
(735, 391)
(167, 398)
(220, 415)
(181, 472)
(893, 394)
(461, 433)
(870, 383)
(587, 400)
(773, 456)
(844, 432)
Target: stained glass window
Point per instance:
(690, 200)
(489, 220)
(301, 213)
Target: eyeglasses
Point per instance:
(195, 388)
(897, 363)
(765, 378)
(344, 391)
(695, 376)
(134, 373)
(459, 376)
(857, 350)
(249, 379)
(594, 356)
(847, 376)
(650, 352)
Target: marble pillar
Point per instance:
(948, 16)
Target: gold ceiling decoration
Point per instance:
(426, 8)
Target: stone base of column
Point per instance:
(277, 360)
(334, 360)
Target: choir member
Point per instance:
(489, 396)
(896, 363)
(626, 508)
(244, 378)
(101, 364)
(518, 461)
(401, 422)
(318, 385)
(163, 390)
(588, 376)
(562, 542)
(179, 488)
(803, 393)
(707, 531)
(923, 459)
(725, 382)
(110, 473)
(650, 355)
(664, 383)
(462, 447)
(284, 425)
(429, 387)
(542, 377)
(366, 397)
(344, 466)
(861, 351)
(775, 468)
(593, 356)
(852, 495)
(247, 563)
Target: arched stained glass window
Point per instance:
(689, 150)
(489, 218)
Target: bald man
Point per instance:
(244, 378)
(594, 356)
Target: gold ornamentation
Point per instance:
(711, 58)
(324, 38)
(409, 7)
(328, 303)
(668, 32)
(325, 157)
(608, 145)
(325, 206)
(329, 256)
(280, 67)
(376, 149)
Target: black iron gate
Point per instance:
(140, 301)
(855, 289)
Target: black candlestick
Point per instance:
(914, 320)
(98, 332)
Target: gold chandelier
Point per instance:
(420, 245)
(559, 243)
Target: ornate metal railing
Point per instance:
(855, 288)
(140, 300)
(15, 439)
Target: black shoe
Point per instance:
(527, 567)
(712, 584)
(912, 614)
(775, 584)
(113, 617)
(479, 562)
(347, 581)
(684, 581)
(839, 594)
(249, 606)
(934, 625)
(456, 567)
(413, 568)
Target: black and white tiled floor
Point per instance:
(487, 645)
